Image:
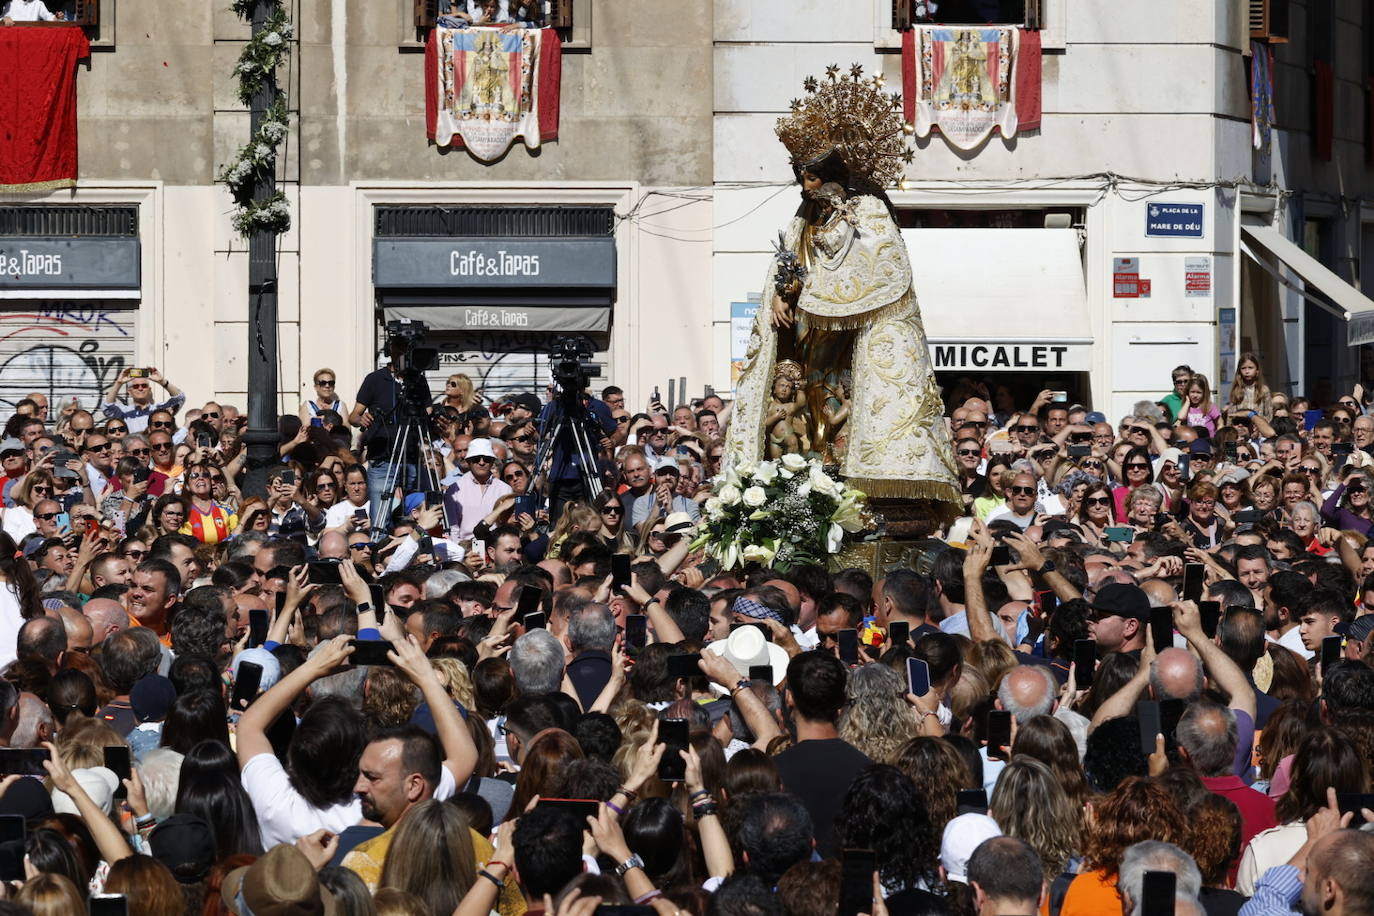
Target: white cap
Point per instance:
(100, 784)
(480, 448)
(963, 835)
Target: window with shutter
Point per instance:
(1269, 20)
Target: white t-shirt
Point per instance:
(11, 619)
(18, 523)
(284, 816)
(340, 512)
(1292, 640)
(28, 11)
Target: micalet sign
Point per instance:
(992, 356)
(430, 263)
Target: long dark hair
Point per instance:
(883, 810)
(14, 569)
(832, 167)
(195, 716)
(322, 759)
(222, 802)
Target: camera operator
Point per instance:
(378, 413)
(567, 477)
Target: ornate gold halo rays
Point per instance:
(849, 113)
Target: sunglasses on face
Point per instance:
(103, 447)
(46, 516)
(161, 424)
(325, 383)
(612, 510)
(136, 554)
(161, 446)
(523, 439)
(1021, 491)
(139, 452)
(209, 416)
(1091, 465)
(1137, 467)
(1027, 428)
(969, 453)
(1099, 500)
(1307, 470)
(481, 459)
(198, 475)
(361, 545)
(116, 430)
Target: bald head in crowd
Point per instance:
(106, 617)
(333, 546)
(1176, 674)
(79, 629)
(1028, 691)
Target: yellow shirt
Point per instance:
(367, 858)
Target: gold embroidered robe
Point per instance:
(898, 444)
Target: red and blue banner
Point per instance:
(487, 87)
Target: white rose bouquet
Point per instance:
(781, 514)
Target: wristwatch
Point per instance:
(1046, 567)
(634, 861)
(364, 607)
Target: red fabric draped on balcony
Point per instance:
(38, 105)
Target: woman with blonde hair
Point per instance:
(1029, 803)
(326, 398)
(1249, 391)
(460, 395)
(453, 674)
(432, 856)
(877, 720)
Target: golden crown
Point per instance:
(848, 113)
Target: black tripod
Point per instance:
(568, 413)
(411, 432)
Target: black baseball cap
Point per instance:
(1118, 599)
(186, 845)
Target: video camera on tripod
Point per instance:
(411, 361)
(572, 373)
(569, 433)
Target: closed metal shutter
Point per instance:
(505, 363)
(64, 349)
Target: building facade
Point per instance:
(1137, 228)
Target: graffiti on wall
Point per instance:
(65, 351)
(503, 363)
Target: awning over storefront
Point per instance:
(1342, 299)
(1002, 300)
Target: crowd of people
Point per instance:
(1134, 676)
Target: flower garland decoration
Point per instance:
(782, 514)
(261, 56)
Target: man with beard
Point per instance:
(404, 766)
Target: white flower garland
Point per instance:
(261, 56)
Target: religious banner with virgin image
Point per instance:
(968, 82)
(487, 87)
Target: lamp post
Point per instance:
(261, 436)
